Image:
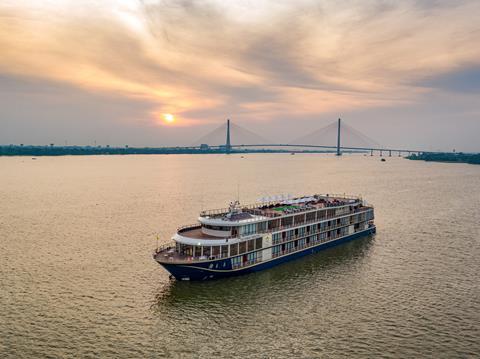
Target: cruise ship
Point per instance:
(243, 239)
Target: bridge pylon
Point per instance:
(228, 146)
(338, 137)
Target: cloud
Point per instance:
(39, 111)
(463, 80)
(253, 61)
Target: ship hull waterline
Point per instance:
(221, 268)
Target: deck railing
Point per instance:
(169, 246)
(291, 250)
(275, 229)
(221, 211)
(188, 226)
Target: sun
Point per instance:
(168, 117)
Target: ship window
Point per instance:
(300, 219)
(249, 228)
(258, 243)
(273, 224)
(251, 245)
(262, 226)
(275, 250)
(206, 251)
(187, 250)
(215, 250)
(224, 251)
(287, 221)
(242, 247)
(198, 251)
(217, 228)
(311, 216)
(233, 249)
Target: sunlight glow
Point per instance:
(168, 117)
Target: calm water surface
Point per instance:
(78, 280)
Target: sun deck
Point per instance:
(195, 233)
(281, 208)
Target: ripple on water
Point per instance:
(77, 278)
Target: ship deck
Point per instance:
(278, 209)
(170, 256)
(196, 233)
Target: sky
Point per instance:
(160, 73)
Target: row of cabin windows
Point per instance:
(248, 229)
(284, 222)
(309, 217)
(321, 237)
(253, 228)
(217, 228)
(256, 244)
(244, 230)
(242, 247)
(247, 258)
(298, 244)
(208, 251)
(247, 246)
(319, 227)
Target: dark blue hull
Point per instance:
(222, 268)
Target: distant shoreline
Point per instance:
(38, 151)
(448, 157)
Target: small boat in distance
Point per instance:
(243, 239)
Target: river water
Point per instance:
(78, 280)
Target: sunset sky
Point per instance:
(407, 73)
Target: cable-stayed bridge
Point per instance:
(337, 136)
(230, 137)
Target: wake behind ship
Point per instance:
(243, 239)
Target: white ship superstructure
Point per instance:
(241, 239)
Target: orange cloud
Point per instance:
(202, 61)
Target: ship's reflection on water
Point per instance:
(275, 284)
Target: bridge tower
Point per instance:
(228, 146)
(338, 138)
